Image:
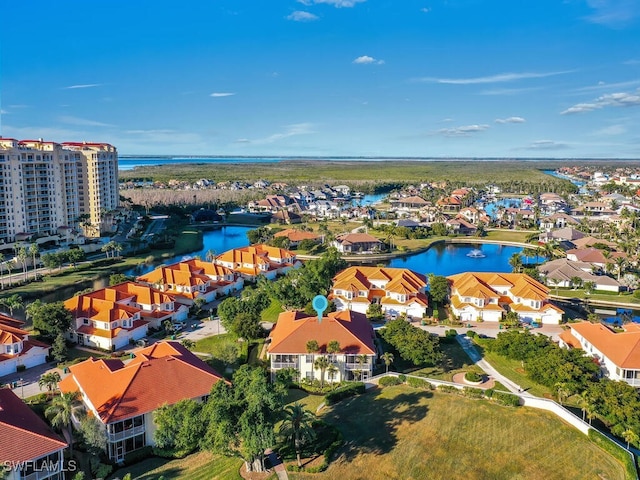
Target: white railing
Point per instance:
(278, 365)
(128, 433)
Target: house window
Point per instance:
(309, 358)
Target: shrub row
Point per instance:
(389, 381)
(349, 390)
(616, 450)
(506, 399)
(419, 383)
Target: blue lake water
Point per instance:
(492, 207)
(450, 259)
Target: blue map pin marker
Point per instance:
(320, 304)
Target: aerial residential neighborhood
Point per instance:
(319, 240)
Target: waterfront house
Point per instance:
(297, 236)
(357, 243)
(29, 449)
(194, 278)
(562, 272)
(287, 344)
(617, 353)
(557, 220)
(124, 396)
(566, 234)
(255, 260)
(17, 350)
(397, 290)
(488, 296)
(410, 204)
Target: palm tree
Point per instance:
(188, 344)
(576, 282)
(361, 360)
(297, 426)
(333, 347)
(332, 371)
(2, 270)
(12, 302)
(60, 413)
(629, 436)
(210, 256)
(516, 262)
(321, 363)
(49, 381)
(387, 358)
(33, 251)
(562, 390)
(621, 264)
(555, 282)
(584, 403)
(22, 258)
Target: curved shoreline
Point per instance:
(368, 258)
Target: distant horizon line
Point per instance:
(366, 157)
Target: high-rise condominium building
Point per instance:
(48, 186)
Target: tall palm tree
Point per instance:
(332, 371)
(516, 262)
(60, 413)
(387, 358)
(333, 347)
(629, 436)
(298, 427)
(321, 363)
(2, 270)
(362, 360)
(621, 264)
(49, 381)
(22, 258)
(34, 251)
(11, 303)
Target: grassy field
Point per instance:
(360, 172)
(401, 433)
(270, 314)
(199, 466)
(512, 369)
(455, 361)
(311, 402)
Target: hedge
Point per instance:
(389, 381)
(419, 383)
(616, 450)
(448, 389)
(506, 399)
(355, 388)
(473, 392)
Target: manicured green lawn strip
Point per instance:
(270, 314)
(311, 402)
(199, 466)
(455, 361)
(512, 369)
(623, 297)
(404, 433)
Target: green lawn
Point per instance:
(402, 433)
(216, 344)
(455, 360)
(512, 369)
(199, 466)
(311, 402)
(270, 314)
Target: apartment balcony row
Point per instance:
(128, 433)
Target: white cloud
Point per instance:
(611, 130)
(85, 85)
(367, 60)
(3, 112)
(462, 131)
(546, 145)
(425, 10)
(335, 3)
(301, 16)
(82, 121)
(501, 77)
(52, 133)
(633, 61)
(289, 131)
(613, 13)
(607, 86)
(508, 91)
(608, 100)
(222, 94)
(510, 120)
(165, 135)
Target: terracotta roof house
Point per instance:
(251, 262)
(397, 290)
(190, 279)
(593, 256)
(288, 344)
(488, 296)
(357, 243)
(618, 353)
(297, 236)
(409, 203)
(561, 272)
(124, 396)
(586, 242)
(17, 349)
(461, 226)
(558, 220)
(29, 449)
(113, 317)
(286, 217)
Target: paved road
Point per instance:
(490, 329)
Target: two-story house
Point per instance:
(17, 349)
(29, 449)
(190, 279)
(124, 396)
(255, 260)
(617, 353)
(397, 290)
(351, 330)
(488, 296)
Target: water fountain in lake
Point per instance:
(476, 253)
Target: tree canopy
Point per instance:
(413, 344)
(51, 318)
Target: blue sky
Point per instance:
(427, 78)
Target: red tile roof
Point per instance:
(622, 348)
(23, 435)
(294, 329)
(165, 372)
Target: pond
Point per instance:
(453, 258)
